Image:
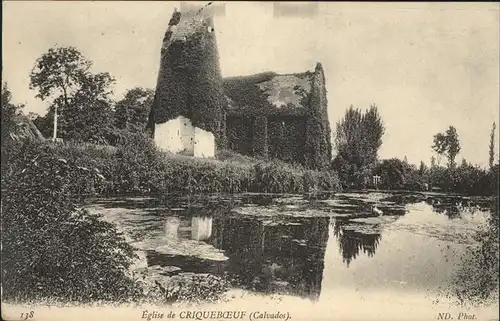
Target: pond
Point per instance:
(384, 250)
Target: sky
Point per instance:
(425, 65)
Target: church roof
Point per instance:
(269, 93)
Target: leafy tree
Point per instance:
(453, 145)
(358, 139)
(15, 125)
(492, 145)
(32, 116)
(373, 130)
(9, 112)
(78, 96)
(423, 170)
(45, 124)
(391, 172)
(447, 144)
(131, 113)
(438, 177)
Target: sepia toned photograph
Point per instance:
(303, 161)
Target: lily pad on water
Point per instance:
(179, 246)
(339, 203)
(375, 220)
(291, 200)
(372, 196)
(367, 229)
(157, 269)
(279, 211)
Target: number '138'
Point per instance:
(29, 315)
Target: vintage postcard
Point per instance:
(251, 161)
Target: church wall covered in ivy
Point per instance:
(279, 116)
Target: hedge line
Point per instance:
(136, 166)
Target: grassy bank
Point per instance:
(137, 167)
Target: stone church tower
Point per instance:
(188, 115)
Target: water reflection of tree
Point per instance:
(351, 241)
(284, 256)
(454, 206)
(449, 210)
(448, 207)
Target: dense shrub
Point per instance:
(465, 179)
(50, 249)
(397, 174)
(273, 178)
(469, 179)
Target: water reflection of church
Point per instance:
(283, 256)
(196, 228)
(270, 254)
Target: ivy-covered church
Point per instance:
(196, 111)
